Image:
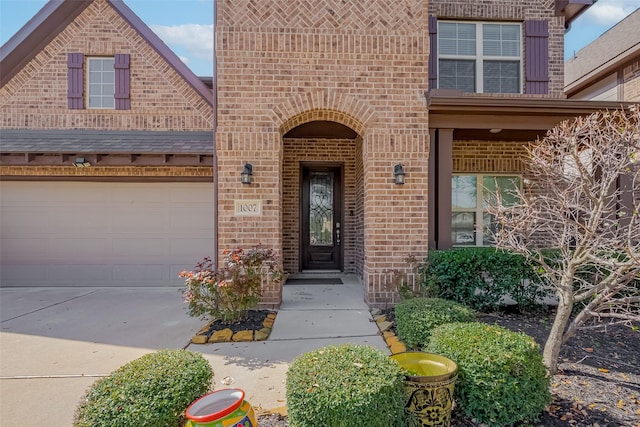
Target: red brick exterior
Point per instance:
(280, 65)
(36, 97)
(359, 63)
(631, 79)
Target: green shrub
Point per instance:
(480, 277)
(415, 318)
(502, 380)
(345, 385)
(153, 390)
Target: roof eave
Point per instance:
(54, 16)
(572, 9)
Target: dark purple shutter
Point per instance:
(75, 81)
(537, 57)
(433, 52)
(121, 66)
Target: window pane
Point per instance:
(108, 101)
(101, 78)
(457, 74)
(501, 40)
(321, 209)
(501, 76)
(506, 185)
(94, 101)
(463, 228)
(456, 38)
(463, 192)
(489, 228)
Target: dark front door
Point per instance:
(321, 245)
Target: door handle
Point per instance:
(338, 233)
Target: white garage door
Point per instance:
(102, 234)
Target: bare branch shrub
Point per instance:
(578, 220)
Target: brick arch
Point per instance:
(323, 105)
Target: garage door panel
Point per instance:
(139, 273)
(102, 233)
(81, 275)
(79, 250)
(140, 220)
(140, 193)
(193, 250)
(196, 221)
(12, 275)
(19, 222)
(77, 221)
(139, 249)
(29, 251)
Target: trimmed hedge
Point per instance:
(153, 390)
(415, 318)
(480, 277)
(502, 380)
(345, 385)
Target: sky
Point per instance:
(186, 26)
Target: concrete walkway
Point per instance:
(54, 342)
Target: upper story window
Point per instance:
(101, 82)
(98, 82)
(480, 57)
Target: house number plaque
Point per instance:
(248, 207)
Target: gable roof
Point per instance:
(602, 56)
(56, 15)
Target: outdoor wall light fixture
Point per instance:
(245, 176)
(398, 174)
(81, 163)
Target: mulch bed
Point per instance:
(254, 321)
(598, 384)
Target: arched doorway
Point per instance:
(322, 198)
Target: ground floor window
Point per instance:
(471, 224)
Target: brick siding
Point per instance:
(361, 63)
(36, 97)
(631, 76)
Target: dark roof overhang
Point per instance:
(105, 148)
(517, 118)
(54, 18)
(571, 9)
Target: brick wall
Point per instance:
(514, 10)
(631, 76)
(36, 98)
(361, 63)
(488, 156)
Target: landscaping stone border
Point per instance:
(386, 329)
(227, 335)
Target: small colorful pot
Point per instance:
(222, 408)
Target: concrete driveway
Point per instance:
(55, 342)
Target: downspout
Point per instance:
(215, 131)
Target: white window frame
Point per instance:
(103, 97)
(479, 208)
(479, 57)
